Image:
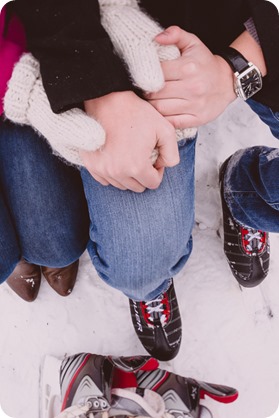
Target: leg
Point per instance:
(250, 180)
(47, 210)
(250, 201)
(9, 246)
(44, 196)
(139, 241)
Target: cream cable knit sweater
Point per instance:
(132, 33)
(26, 103)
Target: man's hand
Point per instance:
(198, 85)
(133, 130)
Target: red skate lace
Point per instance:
(253, 240)
(156, 309)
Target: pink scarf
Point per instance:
(12, 45)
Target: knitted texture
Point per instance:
(132, 33)
(26, 102)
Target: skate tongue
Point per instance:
(135, 402)
(133, 364)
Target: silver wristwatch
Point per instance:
(248, 78)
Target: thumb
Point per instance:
(174, 35)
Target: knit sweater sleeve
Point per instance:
(76, 56)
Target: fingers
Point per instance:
(186, 121)
(134, 179)
(171, 90)
(99, 179)
(151, 177)
(167, 147)
(130, 183)
(124, 184)
(177, 36)
(172, 107)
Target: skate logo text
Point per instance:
(137, 317)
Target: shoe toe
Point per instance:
(63, 279)
(162, 349)
(25, 280)
(256, 275)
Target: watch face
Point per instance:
(249, 82)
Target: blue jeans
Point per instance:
(43, 211)
(137, 240)
(251, 181)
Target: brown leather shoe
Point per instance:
(61, 279)
(25, 280)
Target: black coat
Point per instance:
(77, 58)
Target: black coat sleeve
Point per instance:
(76, 56)
(266, 19)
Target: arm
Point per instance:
(125, 159)
(76, 56)
(266, 19)
(199, 84)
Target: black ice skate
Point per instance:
(246, 249)
(158, 324)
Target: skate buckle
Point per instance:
(176, 413)
(95, 404)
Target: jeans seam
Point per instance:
(274, 114)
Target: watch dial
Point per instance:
(251, 83)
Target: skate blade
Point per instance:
(50, 397)
(204, 412)
(208, 408)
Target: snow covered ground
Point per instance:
(229, 336)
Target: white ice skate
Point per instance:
(81, 386)
(93, 386)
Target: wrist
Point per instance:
(247, 76)
(227, 78)
(96, 107)
(251, 50)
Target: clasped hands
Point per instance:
(198, 87)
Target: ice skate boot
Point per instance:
(186, 397)
(81, 385)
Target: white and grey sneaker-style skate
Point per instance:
(83, 385)
(95, 386)
(185, 397)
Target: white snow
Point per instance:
(229, 336)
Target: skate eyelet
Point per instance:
(96, 404)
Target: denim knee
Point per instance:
(140, 240)
(250, 187)
(137, 247)
(139, 265)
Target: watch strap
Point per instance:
(235, 59)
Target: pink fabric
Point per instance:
(12, 45)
